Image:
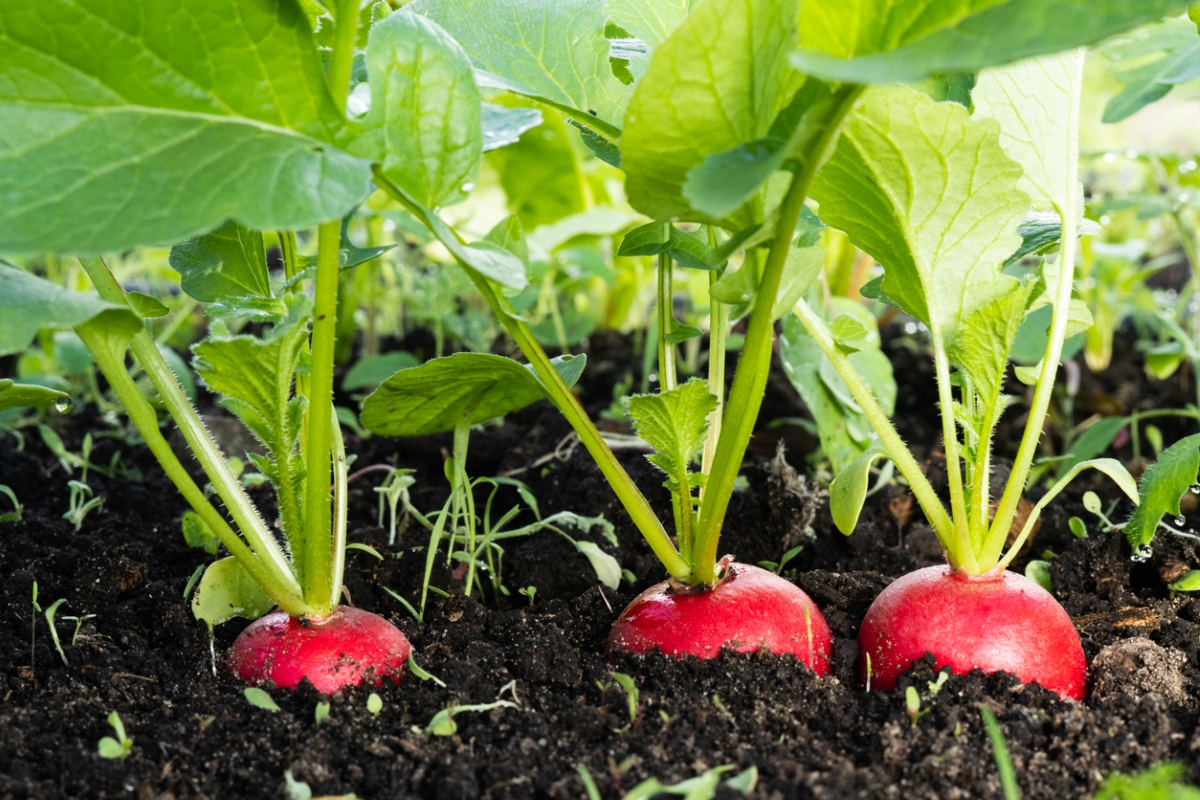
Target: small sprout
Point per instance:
(78, 624)
(1190, 582)
(936, 686)
(744, 781)
(912, 703)
(666, 718)
(628, 576)
(15, 515)
(120, 746)
(720, 706)
(366, 548)
(80, 505)
(1039, 573)
(1155, 438)
(589, 783)
(528, 591)
(419, 672)
(54, 631)
(631, 690)
(393, 489)
(1091, 501)
(1077, 527)
(443, 723)
(192, 581)
(1004, 765)
(374, 704)
(260, 699)
(205, 720)
(868, 655)
(322, 712)
(296, 790)
(196, 533)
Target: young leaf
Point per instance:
(197, 534)
(607, 569)
(1178, 62)
(684, 248)
(553, 51)
(983, 345)
(374, 370)
(435, 396)
(848, 491)
(18, 395)
(931, 195)
(425, 117)
(227, 591)
(28, 303)
(718, 82)
(802, 267)
(1161, 488)
(197, 112)
(255, 378)
(964, 36)
(260, 699)
(674, 423)
(223, 265)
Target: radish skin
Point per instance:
(751, 609)
(998, 622)
(350, 647)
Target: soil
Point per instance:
(195, 735)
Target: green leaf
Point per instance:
(425, 117)
(19, 395)
(848, 491)
(554, 52)
(540, 174)
(1178, 61)
(718, 82)
(984, 342)
(1190, 582)
(674, 423)
(1039, 572)
(652, 21)
(1092, 442)
(1041, 233)
(109, 747)
(197, 534)
(503, 125)
(146, 306)
(437, 395)
(28, 303)
(1161, 782)
(848, 333)
(951, 41)
(224, 265)
(509, 234)
(802, 267)
(227, 591)
(848, 28)
(374, 370)
(191, 113)
(930, 194)
(1162, 486)
(260, 699)
(657, 238)
(255, 376)
(607, 569)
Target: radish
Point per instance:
(350, 647)
(748, 610)
(1000, 621)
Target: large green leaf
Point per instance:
(21, 395)
(1162, 486)
(145, 122)
(931, 195)
(225, 264)
(652, 21)
(28, 303)
(944, 39)
(439, 394)
(718, 82)
(553, 51)
(425, 117)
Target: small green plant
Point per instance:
(82, 503)
(1008, 776)
(443, 723)
(260, 699)
(1160, 782)
(528, 592)
(118, 747)
(321, 713)
(374, 704)
(49, 614)
(912, 704)
(15, 514)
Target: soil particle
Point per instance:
(1136, 667)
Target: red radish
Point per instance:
(749, 609)
(348, 648)
(998, 622)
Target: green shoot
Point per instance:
(321, 713)
(374, 704)
(1008, 776)
(1160, 782)
(260, 699)
(118, 747)
(419, 672)
(443, 723)
(15, 514)
(528, 592)
(49, 613)
(632, 693)
(912, 704)
(80, 504)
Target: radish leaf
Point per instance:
(553, 51)
(173, 119)
(674, 423)
(425, 117)
(931, 195)
(28, 303)
(227, 591)
(18, 395)
(435, 396)
(718, 82)
(1162, 486)
(848, 491)
(951, 41)
(225, 264)
(652, 21)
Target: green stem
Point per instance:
(667, 377)
(935, 512)
(340, 515)
(750, 377)
(717, 333)
(263, 559)
(962, 555)
(316, 576)
(1067, 211)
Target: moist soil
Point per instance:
(140, 652)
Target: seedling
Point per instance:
(627, 683)
(81, 505)
(321, 713)
(15, 514)
(50, 612)
(1190, 582)
(119, 747)
(443, 723)
(419, 672)
(529, 592)
(374, 704)
(1163, 781)
(260, 699)
(1008, 776)
(912, 703)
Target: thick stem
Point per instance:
(316, 577)
(717, 331)
(935, 512)
(750, 378)
(1067, 211)
(560, 394)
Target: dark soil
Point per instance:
(195, 735)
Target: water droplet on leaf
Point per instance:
(64, 405)
(1142, 553)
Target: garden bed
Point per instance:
(195, 735)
